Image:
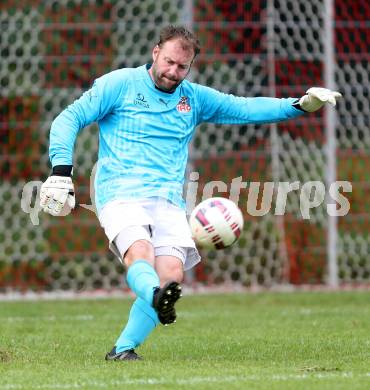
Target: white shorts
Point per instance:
(166, 226)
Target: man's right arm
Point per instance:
(92, 106)
(58, 192)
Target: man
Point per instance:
(147, 117)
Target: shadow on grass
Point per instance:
(5, 356)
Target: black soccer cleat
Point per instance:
(130, 354)
(164, 300)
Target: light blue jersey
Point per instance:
(144, 132)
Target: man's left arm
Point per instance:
(217, 107)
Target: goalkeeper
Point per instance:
(147, 117)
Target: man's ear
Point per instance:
(155, 52)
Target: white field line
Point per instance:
(194, 289)
(186, 381)
(64, 295)
(79, 317)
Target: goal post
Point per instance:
(331, 142)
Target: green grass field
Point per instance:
(231, 341)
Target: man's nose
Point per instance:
(173, 70)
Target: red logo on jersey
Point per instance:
(183, 105)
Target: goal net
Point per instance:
(52, 51)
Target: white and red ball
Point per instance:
(216, 223)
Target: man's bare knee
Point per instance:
(169, 269)
(176, 275)
(139, 250)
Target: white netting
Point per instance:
(52, 51)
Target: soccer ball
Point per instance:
(216, 223)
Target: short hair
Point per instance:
(188, 39)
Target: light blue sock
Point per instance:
(142, 279)
(142, 320)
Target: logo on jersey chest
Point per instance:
(164, 102)
(140, 100)
(183, 105)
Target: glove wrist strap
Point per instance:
(62, 170)
(298, 106)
